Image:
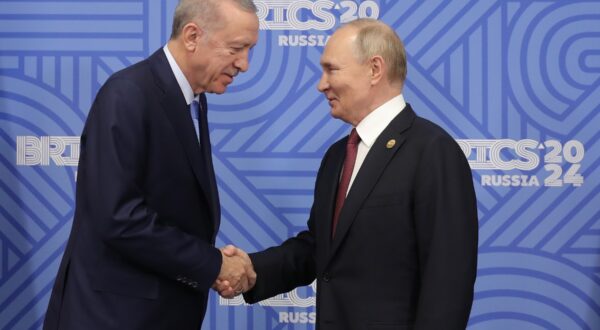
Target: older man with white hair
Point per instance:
(141, 252)
(392, 234)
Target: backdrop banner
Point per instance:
(516, 83)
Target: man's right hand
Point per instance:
(237, 273)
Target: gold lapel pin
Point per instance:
(390, 144)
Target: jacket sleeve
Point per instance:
(447, 234)
(282, 268)
(287, 266)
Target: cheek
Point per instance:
(344, 91)
(350, 98)
(217, 67)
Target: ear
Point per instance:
(377, 69)
(190, 35)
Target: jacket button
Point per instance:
(326, 277)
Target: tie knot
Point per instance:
(354, 138)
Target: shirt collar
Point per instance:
(184, 84)
(374, 123)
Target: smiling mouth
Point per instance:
(228, 77)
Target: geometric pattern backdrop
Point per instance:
(517, 83)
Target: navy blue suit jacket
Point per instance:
(404, 255)
(141, 252)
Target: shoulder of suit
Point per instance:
(138, 71)
(431, 136)
(341, 143)
(335, 147)
(133, 77)
(430, 127)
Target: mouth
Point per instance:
(228, 78)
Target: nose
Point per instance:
(323, 84)
(242, 63)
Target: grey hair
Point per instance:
(377, 38)
(205, 13)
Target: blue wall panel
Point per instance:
(517, 83)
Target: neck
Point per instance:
(380, 96)
(383, 98)
(181, 56)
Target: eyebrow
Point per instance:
(327, 65)
(240, 43)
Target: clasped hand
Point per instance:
(237, 273)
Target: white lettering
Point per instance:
(302, 40)
(62, 150)
(501, 154)
(302, 15)
(297, 317)
(290, 299)
(509, 180)
(284, 317)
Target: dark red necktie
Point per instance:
(351, 150)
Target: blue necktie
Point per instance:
(200, 118)
(195, 110)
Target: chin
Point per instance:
(219, 90)
(335, 113)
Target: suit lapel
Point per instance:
(177, 111)
(373, 166)
(325, 203)
(210, 173)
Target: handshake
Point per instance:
(237, 273)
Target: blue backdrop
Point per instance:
(517, 83)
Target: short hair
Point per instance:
(205, 13)
(377, 38)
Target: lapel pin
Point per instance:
(390, 144)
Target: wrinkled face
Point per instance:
(222, 53)
(345, 82)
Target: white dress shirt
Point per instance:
(184, 84)
(371, 127)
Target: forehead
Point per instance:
(239, 26)
(339, 48)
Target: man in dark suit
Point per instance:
(141, 252)
(392, 234)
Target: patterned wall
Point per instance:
(517, 83)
